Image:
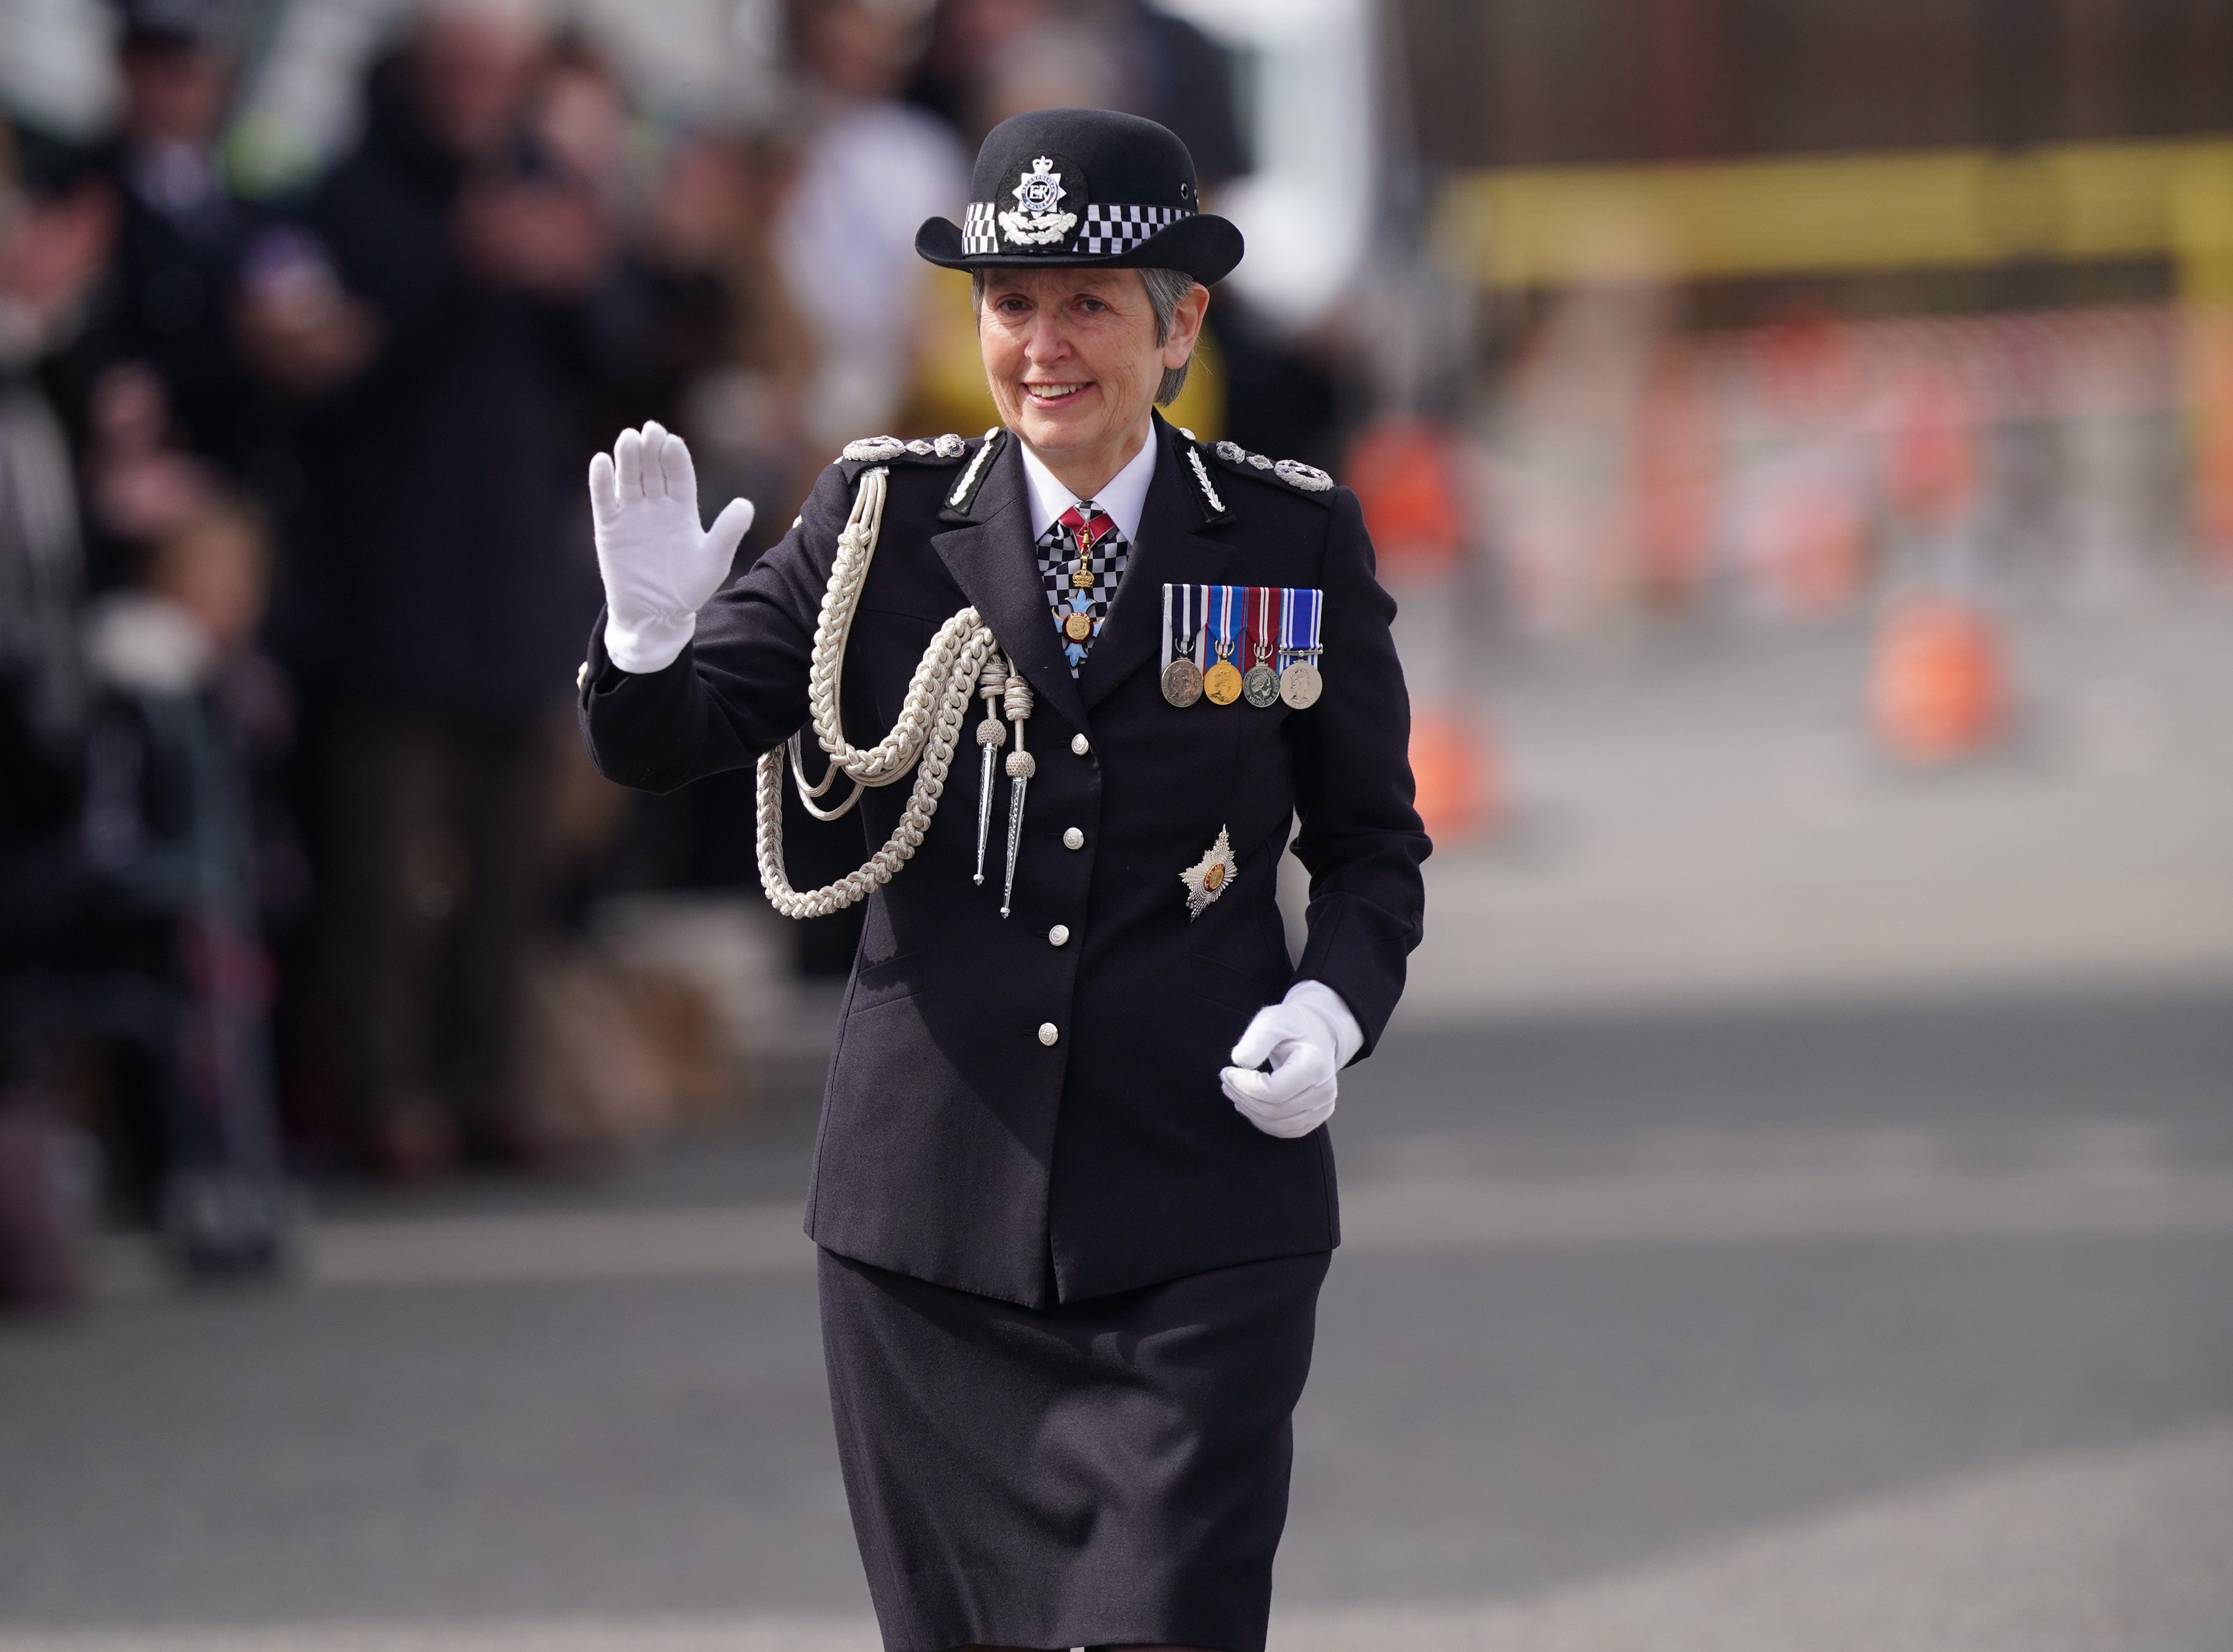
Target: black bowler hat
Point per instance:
(1084, 186)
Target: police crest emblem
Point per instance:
(1038, 219)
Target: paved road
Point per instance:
(1698, 815)
(1866, 1328)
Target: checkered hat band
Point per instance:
(1119, 229)
(1107, 229)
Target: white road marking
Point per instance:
(1647, 1209)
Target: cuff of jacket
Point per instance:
(630, 721)
(650, 644)
(1358, 950)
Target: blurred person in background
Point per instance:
(57, 229)
(991, 59)
(187, 709)
(870, 169)
(733, 345)
(183, 232)
(452, 567)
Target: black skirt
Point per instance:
(1103, 1473)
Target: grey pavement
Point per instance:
(1697, 816)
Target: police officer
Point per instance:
(1068, 1287)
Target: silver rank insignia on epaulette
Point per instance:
(965, 489)
(1308, 479)
(882, 449)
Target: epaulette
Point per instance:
(889, 450)
(1304, 479)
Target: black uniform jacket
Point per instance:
(955, 1145)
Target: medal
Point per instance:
(1262, 684)
(1182, 677)
(1078, 627)
(1220, 684)
(1210, 876)
(1301, 683)
(1089, 526)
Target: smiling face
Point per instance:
(1072, 361)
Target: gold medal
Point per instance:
(1182, 682)
(1301, 686)
(1220, 684)
(1077, 627)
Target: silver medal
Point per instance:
(1262, 686)
(1300, 685)
(1182, 678)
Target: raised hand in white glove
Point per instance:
(1307, 1038)
(659, 566)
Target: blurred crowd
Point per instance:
(295, 563)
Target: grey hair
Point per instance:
(1165, 289)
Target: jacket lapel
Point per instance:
(1168, 552)
(992, 560)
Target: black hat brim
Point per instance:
(1204, 246)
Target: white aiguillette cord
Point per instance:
(962, 656)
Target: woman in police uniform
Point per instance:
(1072, 1190)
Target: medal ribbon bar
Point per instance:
(1298, 622)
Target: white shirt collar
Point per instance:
(1124, 497)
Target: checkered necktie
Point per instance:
(1084, 531)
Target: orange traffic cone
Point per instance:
(1937, 688)
(1407, 474)
(1453, 761)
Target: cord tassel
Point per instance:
(931, 725)
(991, 736)
(1016, 697)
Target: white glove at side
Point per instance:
(660, 568)
(1308, 1036)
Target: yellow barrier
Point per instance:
(1513, 229)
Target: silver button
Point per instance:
(1080, 745)
(1073, 839)
(1060, 935)
(1048, 1032)
(582, 677)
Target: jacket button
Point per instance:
(1048, 1032)
(1080, 745)
(1059, 935)
(1073, 839)
(582, 677)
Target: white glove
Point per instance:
(660, 568)
(1308, 1038)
